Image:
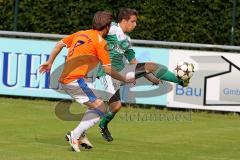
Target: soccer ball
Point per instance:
(184, 70)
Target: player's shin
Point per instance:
(89, 119)
(106, 119)
(115, 105)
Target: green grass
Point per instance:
(29, 129)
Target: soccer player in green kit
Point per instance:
(119, 47)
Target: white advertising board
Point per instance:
(215, 84)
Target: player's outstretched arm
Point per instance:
(114, 74)
(46, 67)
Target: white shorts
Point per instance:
(81, 90)
(112, 85)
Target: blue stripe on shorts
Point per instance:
(82, 84)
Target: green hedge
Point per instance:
(196, 21)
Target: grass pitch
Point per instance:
(31, 130)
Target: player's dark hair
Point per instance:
(126, 13)
(101, 19)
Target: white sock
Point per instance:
(90, 118)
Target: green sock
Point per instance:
(170, 76)
(163, 73)
(106, 119)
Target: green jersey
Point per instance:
(119, 47)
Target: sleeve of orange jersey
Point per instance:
(102, 53)
(68, 40)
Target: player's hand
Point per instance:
(45, 67)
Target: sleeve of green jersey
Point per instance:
(129, 54)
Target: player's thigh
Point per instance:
(82, 91)
(111, 86)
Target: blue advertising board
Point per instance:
(21, 58)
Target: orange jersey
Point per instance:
(85, 50)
